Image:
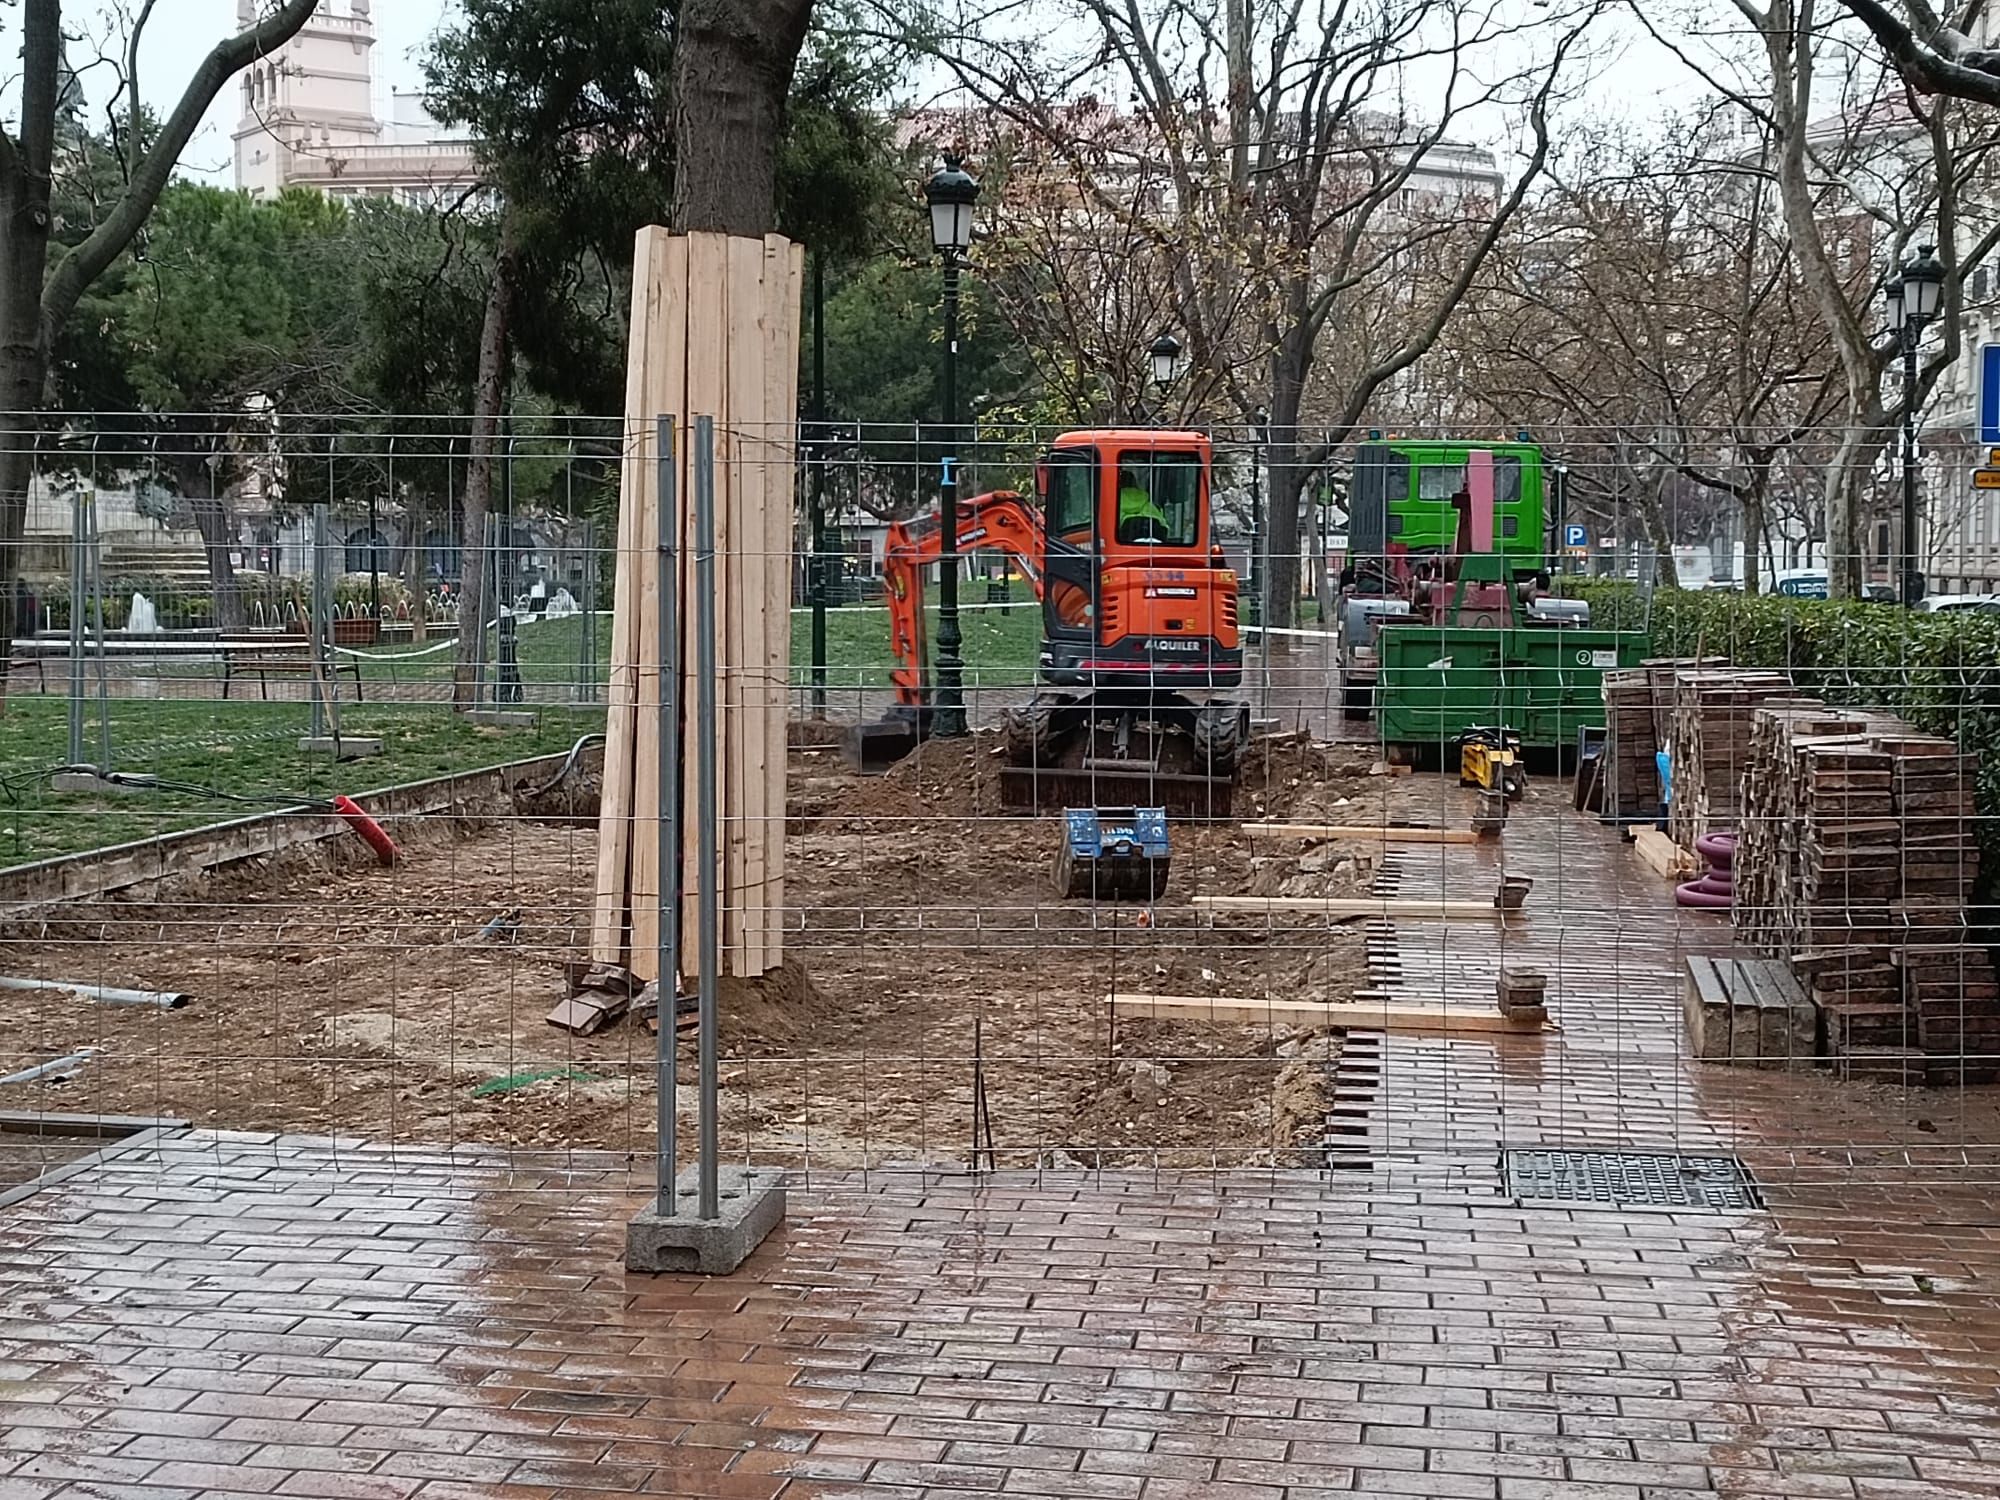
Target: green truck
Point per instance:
(1445, 620)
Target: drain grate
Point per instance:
(1630, 1179)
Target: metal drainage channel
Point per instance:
(1629, 1179)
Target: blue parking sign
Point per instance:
(1989, 393)
(1576, 536)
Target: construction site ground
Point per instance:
(258, 1312)
(930, 957)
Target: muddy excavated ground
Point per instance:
(929, 960)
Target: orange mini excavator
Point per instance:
(1139, 628)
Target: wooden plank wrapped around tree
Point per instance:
(784, 289)
(611, 916)
(748, 612)
(664, 364)
(707, 353)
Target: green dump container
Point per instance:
(1545, 683)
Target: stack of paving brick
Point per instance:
(1948, 981)
(1632, 778)
(1709, 745)
(1855, 862)
(1774, 841)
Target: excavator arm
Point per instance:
(999, 521)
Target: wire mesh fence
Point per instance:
(1373, 946)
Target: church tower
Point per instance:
(307, 103)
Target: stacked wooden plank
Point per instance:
(1709, 745)
(714, 333)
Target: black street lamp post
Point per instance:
(1165, 355)
(951, 195)
(1914, 298)
(1261, 421)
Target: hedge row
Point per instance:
(1939, 671)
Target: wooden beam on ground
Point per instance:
(1664, 855)
(1361, 833)
(1349, 906)
(1242, 1011)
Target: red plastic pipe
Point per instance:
(377, 839)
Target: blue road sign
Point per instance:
(1575, 536)
(1989, 393)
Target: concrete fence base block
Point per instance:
(89, 782)
(503, 718)
(347, 747)
(752, 1204)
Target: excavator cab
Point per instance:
(1135, 589)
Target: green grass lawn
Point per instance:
(246, 748)
(999, 647)
(249, 748)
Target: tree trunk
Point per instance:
(1653, 520)
(218, 535)
(489, 397)
(1860, 446)
(24, 256)
(1286, 480)
(733, 65)
(1753, 531)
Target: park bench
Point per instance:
(17, 661)
(290, 655)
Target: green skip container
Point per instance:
(1543, 682)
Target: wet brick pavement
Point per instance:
(234, 1316)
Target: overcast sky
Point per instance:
(179, 36)
(1629, 74)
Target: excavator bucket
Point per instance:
(872, 748)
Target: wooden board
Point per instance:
(1360, 833)
(707, 337)
(740, 476)
(1348, 906)
(1237, 1010)
(1664, 855)
(664, 385)
(714, 332)
(784, 286)
(611, 916)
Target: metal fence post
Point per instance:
(76, 592)
(319, 627)
(668, 815)
(96, 565)
(586, 676)
(709, 926)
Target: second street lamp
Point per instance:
(1165, 355)
(950, 195)
(1914, 298)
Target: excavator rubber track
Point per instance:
(1100, 749)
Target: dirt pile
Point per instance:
(1295, 777)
